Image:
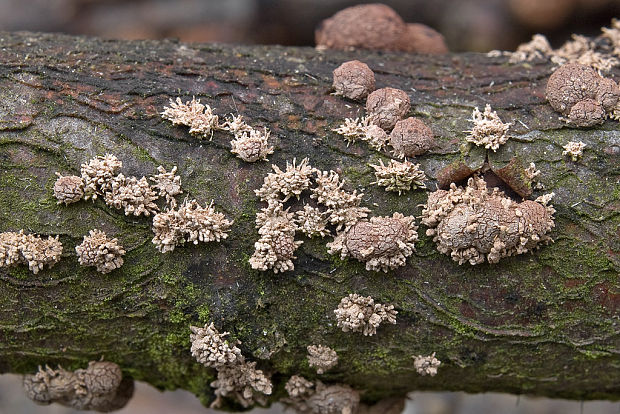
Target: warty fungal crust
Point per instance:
(198, 117)
(321, 357)
(574, 150)
(353, 80)
(471, 224)
(291, 182)
(357, 313)
(399, 176)
(426, 365)
(98, 174)
(386, 106)
(134, 196)
(252, 145)
(190, 223)
(488, 130)
(68, 189)
(99, 251)
(308, 398)
(36, 252)
(411, 137)
(168, 184)
(384, 243)
(242, 382)
(100, 387)
(211, 349)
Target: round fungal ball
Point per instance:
(68, 189)
(411, 137)
(608, 94)
(368, 26)
(586, 113)
(354, 80)
(570, 84)
(420, 38)
(386, 106)
(102, 377)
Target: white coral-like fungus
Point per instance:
(68, 189)
(191, 223)
(252, 145)
(243, 382)
(361, 129)
(472, 224)
(299, 387)
(426, 365)
(168, 184)
(211, 349)
(384, 243)
(574, 150)
(361, 314)
(312, 221)
(321, 357)
(488, 130)
(288, 183)
(276, 247)
(399, 176)
(99, 251)
(198, 117)
(134, 196)
(98, 175)
(36, 252)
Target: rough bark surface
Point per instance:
(545, 323)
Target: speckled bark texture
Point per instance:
(545, 323)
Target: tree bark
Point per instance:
(545, 323)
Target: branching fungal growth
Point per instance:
(168, 184)
(399, 176)
(100, 387)
(471, 224)
(312, 221)
(299, 387)
(288, 183)
(362, 129)
(252, 145)
(135, 196)
(243, 382)
(383, 242)
(426, 365)
(411, 137)
(198, 117)
(36, 252)
(306, 398)
(357, 313)
(386, 106)
(98, 174)
(211, 349)
(99, 251)
(574, 150)
(488, 130)
(68, 189)
(354, 80)
(190, 223)
(321, 357)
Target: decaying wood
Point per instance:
(545, 323)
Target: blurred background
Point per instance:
(468, 25)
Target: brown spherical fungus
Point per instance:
(580, 93)
(411, 137)
(419, 38)
(68, 189)
(386, 106)
(368, 26)
(354, 80)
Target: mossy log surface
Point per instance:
(546, 323)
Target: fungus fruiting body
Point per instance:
(211, 349)
(312, 222)
(98, 174)
(101, 252)
(411, 137)
(472, 224)
(420, 38)
(134, 196)
(30, 249)
(243, 382)
(488, 130)
(252, 146)
(426, 365)
(309, 398)
(354, 80)
(322, 357)
(574, 150)
(357, 313)
(168, 184)
(100, 387)
(384, 243)
(361, 129)
(399, 176)
(198, 117)
(386, 106)
(291, 182)
(68, 189)
(299, 387)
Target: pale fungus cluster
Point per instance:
(306, 397)
(472, 224)
(574, 150)
(426, 365)
(488, 131)
(100, 387)
(322, 357)
(249, 144)
(30, 249)
(236, 378)
(101, 252)
(358, 313)
(399, 176)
